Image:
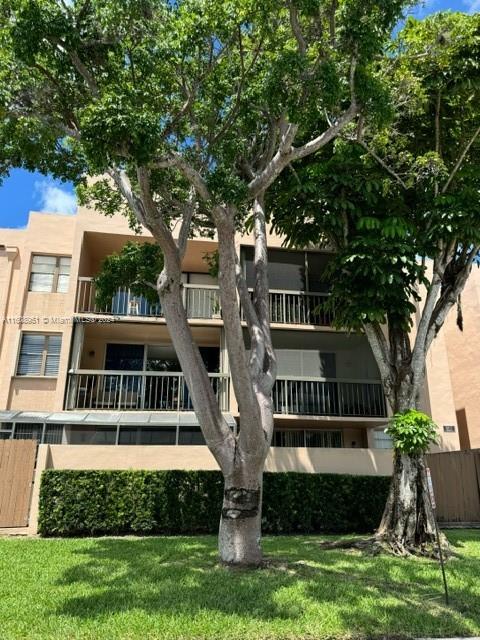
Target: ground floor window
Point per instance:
(5, 430)
(42, 433)
(307, 438)
(382, 440)
(91, 434)
(148, 435)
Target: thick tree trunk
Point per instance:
(240, 523)
(408, 523)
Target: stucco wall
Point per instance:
(464, 361)
(352, 461)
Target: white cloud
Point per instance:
(53, 199)
(473, 5)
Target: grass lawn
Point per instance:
(165, 588)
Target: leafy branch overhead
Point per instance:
(400, 202)
(185, 114)
(209, 93)
(135, 267)
(398, 199)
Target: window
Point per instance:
(382, 440)
(50, 274)
(92, 435)
(191, 435)
(307, 438)
(39, 354)
(148, 435)
(5, 430)
(291, 270)
(28, 431)
(53, 434)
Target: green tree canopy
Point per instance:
(399, 203)
(186, 113)
(136, 267)
(393, 200)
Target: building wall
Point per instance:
(88, 237)
(463, 349)
(37, 312)
(438, 398)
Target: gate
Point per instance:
(456, 482)
(17, 463)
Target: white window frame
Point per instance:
(56, 272)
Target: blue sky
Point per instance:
(23, 191)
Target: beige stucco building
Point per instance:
(463, 363)
(102, 388)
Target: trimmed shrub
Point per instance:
(189, 502)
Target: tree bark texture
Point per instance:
(240, 523)
(408, 523)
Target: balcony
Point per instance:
(203, 302)
(137, 391)
(328, 397)
(166, 391)
(299, 307)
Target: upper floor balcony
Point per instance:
(167, 391)
(203, 302)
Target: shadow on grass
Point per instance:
(367, 595)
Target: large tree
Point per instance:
(398, 199)
(192, 109)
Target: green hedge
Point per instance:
(189, 502)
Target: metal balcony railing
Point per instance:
(203, 302)
(167, 391)
(299, 307)
(137, 391)
(329, 397)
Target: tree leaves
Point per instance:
(137, 267)
(412, 432)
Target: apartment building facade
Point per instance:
(463, 349)
(102, 387)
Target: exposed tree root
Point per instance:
(383, 544)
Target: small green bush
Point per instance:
(188, 502)
(412, 432)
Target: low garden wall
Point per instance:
(90, 502)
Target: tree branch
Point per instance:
(188, 211)
(460, 160)
(380, 349)
(251, 437)
(296, 29)
(192, 175)
(286, 154)
(268, 370)
(382, 163)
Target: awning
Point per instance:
(153, 418)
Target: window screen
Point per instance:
(92, 435)
(308, 363)
(286, 269)
(317, 263)
(190, 435)
(28, 431)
